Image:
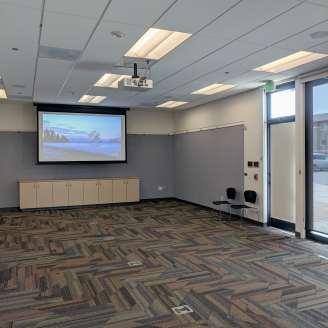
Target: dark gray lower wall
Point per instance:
(150, 157)
(207, 162)
(196, 167)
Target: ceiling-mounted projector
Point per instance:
(135, 82)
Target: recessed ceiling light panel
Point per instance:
(110, 80)
(156, 43)
(3, 94)
(295, 60)
(91, 99)
(212, 89)
(172, 104)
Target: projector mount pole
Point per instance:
(135, 71)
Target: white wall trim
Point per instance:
(300, 158)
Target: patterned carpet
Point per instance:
(71, 269)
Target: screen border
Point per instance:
(83, 110)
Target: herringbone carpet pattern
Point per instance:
(69, 269)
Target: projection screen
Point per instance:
(66, 137)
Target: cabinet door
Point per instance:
(75, 193)
(27, 195)
(90, 192)
(105, 191)
(44, 194)
(60, 193)
(132, 190)
(119, 191)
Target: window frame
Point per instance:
(283, 119)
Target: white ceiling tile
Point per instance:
(319, 2)
(303, 41)
(244, 17)
(141, 12)
(66, 31)
(36, 4)
(50, 77)
(19, 27)
(191, 15)
(248, 15)
(218, 60)
(81, 80)
(92, 9)
(104, 48)
(294, 21)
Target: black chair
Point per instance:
(250, 196)
(231, 195)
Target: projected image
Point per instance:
(81, 137)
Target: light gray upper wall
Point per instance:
(21, 117)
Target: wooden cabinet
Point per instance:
(90, 192)
(75, 193)
(59, 193)
(119, 191)
(27, 195)
(44, 194)
(105, 191)
(132, 190)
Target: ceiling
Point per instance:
(65, 46)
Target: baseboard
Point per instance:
(159, 199)
(9, 209)
(281, 224)
(144, 200)
(225, 213)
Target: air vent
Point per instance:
(59, 53)
(19, 86)
(21, 98)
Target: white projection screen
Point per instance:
(68, 137)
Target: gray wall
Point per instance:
(196, 167)
(150, 157)
(207, 162)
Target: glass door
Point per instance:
(317, 159)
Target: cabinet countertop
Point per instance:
(73, 179)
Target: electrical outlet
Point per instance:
(160, 188)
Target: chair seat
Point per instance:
(239, 206)
(221, 202)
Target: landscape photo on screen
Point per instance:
(68, 137)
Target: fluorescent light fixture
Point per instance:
(3, 94)
(110, 80)
(297, 59)
(212, 89)
(172, 104)
(91, 99)
(156, 43)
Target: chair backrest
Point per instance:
(250, 196)
(231, 193)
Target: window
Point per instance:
(282, 103)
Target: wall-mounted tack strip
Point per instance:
(212, 127)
